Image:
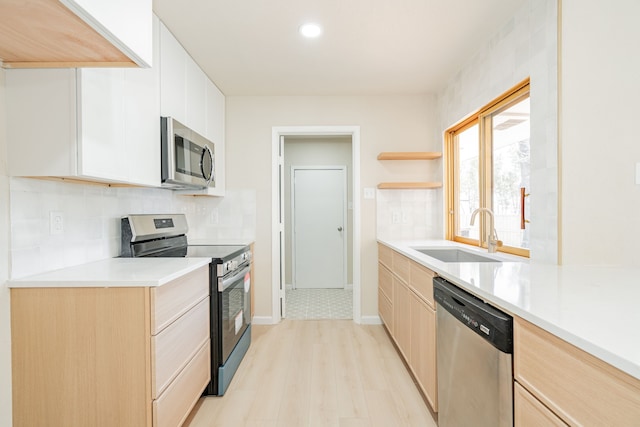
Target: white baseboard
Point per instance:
(262, 320)
(370, 320)
(268, 320)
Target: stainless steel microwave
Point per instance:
(188, 158)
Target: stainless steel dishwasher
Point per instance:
(474, 356)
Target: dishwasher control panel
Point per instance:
(485, 320)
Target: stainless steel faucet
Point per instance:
(492, 237)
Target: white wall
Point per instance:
(387, 123)
(599, 136)
(317, 151)
(5, 326)
(526, 46)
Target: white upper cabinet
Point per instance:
(195, 97)
(173, 77)
(187, 95)
(96, 124)
(215, 131)
(48, 33)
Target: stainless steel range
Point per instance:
(230, 282)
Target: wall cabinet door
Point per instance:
(195, 97)
(101, 134)
(422, 357)
(142, 118)
(173, 76)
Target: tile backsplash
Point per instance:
(409, 214)
(91, 220)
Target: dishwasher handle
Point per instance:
(495, 326)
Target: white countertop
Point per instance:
(594, 308)
(114, 273)
(220, 242)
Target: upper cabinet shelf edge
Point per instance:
(409, 155)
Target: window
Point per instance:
(488, 158)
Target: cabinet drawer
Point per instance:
(385, 309)
(528, 411)
(400, 266)
(578, 387)
(174, 405)
(172, 348)
(422, 282)
(384, 281)
(384, 255)
(172, 300)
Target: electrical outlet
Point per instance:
(369, 193)
(405, 218)
(395, 218)
(56, 222)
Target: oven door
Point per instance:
(234, 308)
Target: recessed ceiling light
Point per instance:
(310, 30)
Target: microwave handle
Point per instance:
(207, 151)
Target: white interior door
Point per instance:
(319, 220)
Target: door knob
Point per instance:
(339, 228)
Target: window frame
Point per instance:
(482, 118)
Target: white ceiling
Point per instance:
(369, 47)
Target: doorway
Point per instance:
(309, 138)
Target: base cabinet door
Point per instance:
(423, 348)
(401, 317)
(385, 296)
(528, 411)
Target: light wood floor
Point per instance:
(317, 373)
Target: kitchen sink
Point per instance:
(454, 255)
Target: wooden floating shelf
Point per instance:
(410, 155)
(408, 185)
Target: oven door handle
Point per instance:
(224, 283)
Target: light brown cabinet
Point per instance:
(577, 387)
(528, 411)
(385, 296)
(132, 356)
(402, 317)
(423, 343)
(406, 307)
